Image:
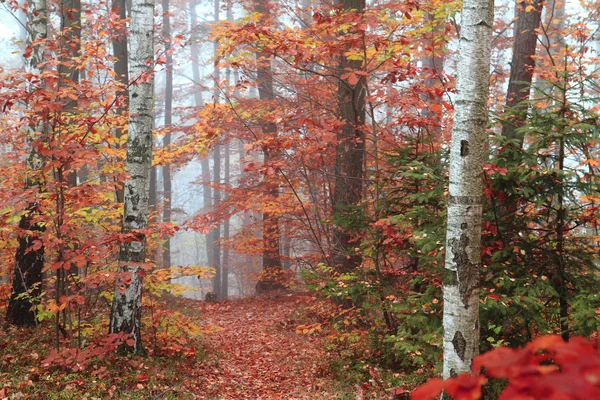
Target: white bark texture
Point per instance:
(127, 304)
(463, 240)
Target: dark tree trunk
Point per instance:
(70, 17)
(198, 101)
(207, 202)
(519, 88)
(29, 257)
(225, 263)
(350, 155)
(270, 277)
(27, 278)
(433, 66)
(522, 67)
(120, 52)
(216, 251)
(166, 169)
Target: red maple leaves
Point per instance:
(547, 368)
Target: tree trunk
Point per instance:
(349, 156)
(120, 52)
(207, 202)
(29, 258)
(205, 165)
(433, 65)
(127, 303)
(522, 66)
(463, 239)
(216, 199)
(216, 250)
(225, 264)
(270, 276)
(166, 169)
(70, 18)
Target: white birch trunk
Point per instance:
(127, 304)
(463, 241)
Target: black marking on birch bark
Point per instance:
(460, 344)
(450, 278)
(465, 200)
(135, 201)
(464, 148)
(464, 266)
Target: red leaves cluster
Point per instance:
(75, 359)
(547, 368)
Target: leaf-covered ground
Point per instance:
(264, 347)
(257, 354)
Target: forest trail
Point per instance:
(255, 353)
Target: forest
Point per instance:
(300, 199)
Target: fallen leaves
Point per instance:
(258, 356)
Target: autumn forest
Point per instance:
(300, 199)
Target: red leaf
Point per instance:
(429, 390)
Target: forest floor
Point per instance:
(263, 347)
(257, 353)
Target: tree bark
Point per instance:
(463, 239)
(127, 303)
(270, 276)
(29, 257)
(199, 102)
(166, 169)
(121, 54)
(522, 66)
(216, 250)
(226, 226)
(350, 154)
(433, 65)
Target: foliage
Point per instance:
(546, 368)
(369, 329)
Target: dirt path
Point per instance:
(255, 353)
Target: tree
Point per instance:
(127, 303)
(166, 169)
(350, 153)
(522, 66)
(29, 259)
(216, 199)
(121, 69)
(463, 238)
(271, 270)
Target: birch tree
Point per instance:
(463, 239)
(127, 303)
